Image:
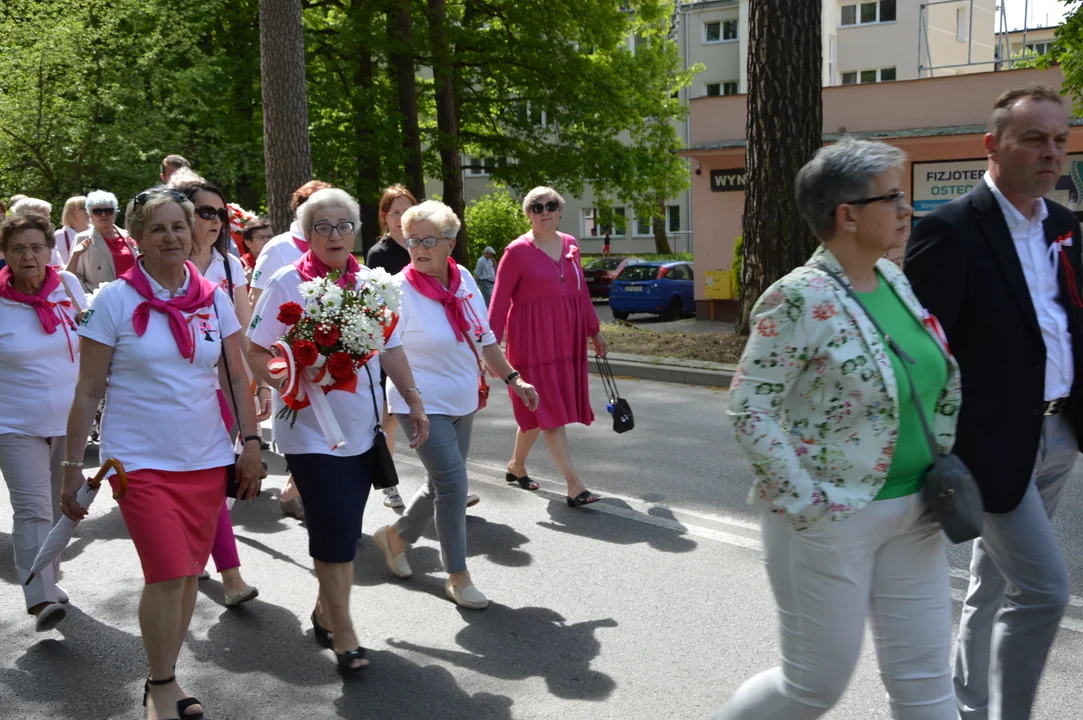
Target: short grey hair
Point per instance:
(32, 206)
(328, 197)
(101, 199)
(435, 212)
(542, 191)
(839, 173)
(136, 217)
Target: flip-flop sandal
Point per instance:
(584, 498)
(524, 482)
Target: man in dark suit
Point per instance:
(1000, 269)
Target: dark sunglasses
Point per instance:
(177, 195)
(103, 212)
(209, 213)
(551, 206)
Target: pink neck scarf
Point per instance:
(431, 288)
(200, 295)
(40, 301)
(300, 242)
(310, 266)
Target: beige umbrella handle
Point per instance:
(70, 296)
(122, 477)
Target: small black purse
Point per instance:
(618, 407)
(384, 474)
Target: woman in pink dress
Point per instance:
(541, 301)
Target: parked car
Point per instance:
(601, 273)
(659, 288)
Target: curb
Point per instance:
(644, 367)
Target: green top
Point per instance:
(930, 372)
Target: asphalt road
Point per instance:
(652, 605)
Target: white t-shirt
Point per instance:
(38, 370)
(216, 273)
(65, 243)
(353, 411)
(161, 410)
(445, 370)
(280, 251)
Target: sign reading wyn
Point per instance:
(728, 180)
(936, 183)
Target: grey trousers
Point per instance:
(444, 491)
(1018, 592)
(486, 287)
(32, 471)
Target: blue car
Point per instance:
(658, 288)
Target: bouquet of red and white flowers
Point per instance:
(330, 338)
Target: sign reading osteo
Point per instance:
(937, 183)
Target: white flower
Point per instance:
(313, 310)
(309, 289)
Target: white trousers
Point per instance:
(32, 471)
(889, 562)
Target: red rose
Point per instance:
(290, 313)
(340, 365)
(326, 335)
(305, 352)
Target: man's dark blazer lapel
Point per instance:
(995, 227)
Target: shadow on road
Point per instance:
(599, 526)
(516, 644)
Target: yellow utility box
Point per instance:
(718, 285)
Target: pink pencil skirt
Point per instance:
(172, 518)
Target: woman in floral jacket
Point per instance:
(824, 411)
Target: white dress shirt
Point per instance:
(1040, 268)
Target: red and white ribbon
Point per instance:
(936, 329)
(300, 390)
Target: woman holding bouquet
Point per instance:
(334, 483)
(444, 328)
(158, 334)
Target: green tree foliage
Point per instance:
(495, 219)
(1067, 52)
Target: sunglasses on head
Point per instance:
(537, 207)
(208, 212)
(103, 211)
(177, 195)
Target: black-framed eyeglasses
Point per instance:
(141, 198)
(326, 229)
(899, 198)
(209, 212)
(428, 241)
(103, 211)
(551, 206)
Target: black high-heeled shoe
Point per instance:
(323, 635)
(346, 660)
(182, 705)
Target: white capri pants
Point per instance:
(32, 471)
(887, 561)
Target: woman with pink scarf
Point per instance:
(444, 329)
(159, 333)
(39, 360)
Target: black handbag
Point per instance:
(384, 474)
(618, 407)
(950, 490)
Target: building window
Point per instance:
(643, 226)
(673, 218)
(618, 228)
(479, 167)
(864, 77)
(1037, 48)
(868, 13)
(887, 74)
(719, 31)
(729, 29)
(867, 76)
(713, 89)
(729, 88)
(962, 24)
(849, 78)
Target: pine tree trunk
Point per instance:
(401, 58)
(286, 150)
(661, 240)
(785, 125)
(447, 118)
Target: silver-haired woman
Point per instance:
(103, 253)
(445, 333)
(823, 409)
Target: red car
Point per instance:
(601, 273)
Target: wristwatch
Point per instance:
(509, 378)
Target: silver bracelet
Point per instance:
(68, 463)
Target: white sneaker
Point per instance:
(392, 499)
(61, 596)
(397, 564)
(469, 597)
(472, 500)
(49, 616)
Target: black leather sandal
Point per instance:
(323, 635)
(182, 705)
(584, 498)
(346, 661)
(524, 482)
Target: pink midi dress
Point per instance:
(544, 307)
